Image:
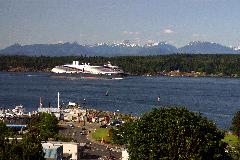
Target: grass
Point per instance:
(101, 134)
(230, 139)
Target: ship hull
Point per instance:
(91, 76)
(85, 70)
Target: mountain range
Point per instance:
(117, 49)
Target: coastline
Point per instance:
(175, 73)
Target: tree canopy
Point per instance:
(235, 128)
(3, 129)
(171, 133)
(26, 149)
(44, 124)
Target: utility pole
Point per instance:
(58, 100)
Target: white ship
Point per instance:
(85, 70)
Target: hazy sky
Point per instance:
(93, 21)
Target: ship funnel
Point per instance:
(77, 63)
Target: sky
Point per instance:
(140, 21)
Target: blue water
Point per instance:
(216, 98)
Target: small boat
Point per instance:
(106, 94)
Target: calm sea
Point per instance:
(216, 98)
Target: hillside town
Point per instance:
(76, 124)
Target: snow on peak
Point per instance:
(236, 48)
(152, 44)
(101, 44)
(197, 42)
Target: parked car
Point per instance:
(71, 125)
(103, 126)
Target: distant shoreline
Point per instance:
(178, 65)
(162, 74)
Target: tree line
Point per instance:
(226, 65)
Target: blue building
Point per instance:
(52, 152)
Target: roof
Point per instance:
(59, 142)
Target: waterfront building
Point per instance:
(71, 112)
(18, 111)
(55, 111)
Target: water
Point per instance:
(216, 98)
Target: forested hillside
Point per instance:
(222, 65)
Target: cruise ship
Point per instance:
(85, 70)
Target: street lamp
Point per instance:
(117, 113)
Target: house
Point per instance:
(52, 152)
(71, 150)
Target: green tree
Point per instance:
(234, 151)
(3, 129)
(44, 124)
(15, 150)
(32, 148)
(26, 149)
(172, 133)
(3, 141)
(235, 128)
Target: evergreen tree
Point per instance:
(28, 148)
(235, 128)
(172, 133)
(45, 125)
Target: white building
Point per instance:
(52, 151)
(125, 155)
(71, 149)
(72, 114)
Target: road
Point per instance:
(94, 150)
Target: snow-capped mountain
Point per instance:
(117, 49)
(161, 46)
(100, 49)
